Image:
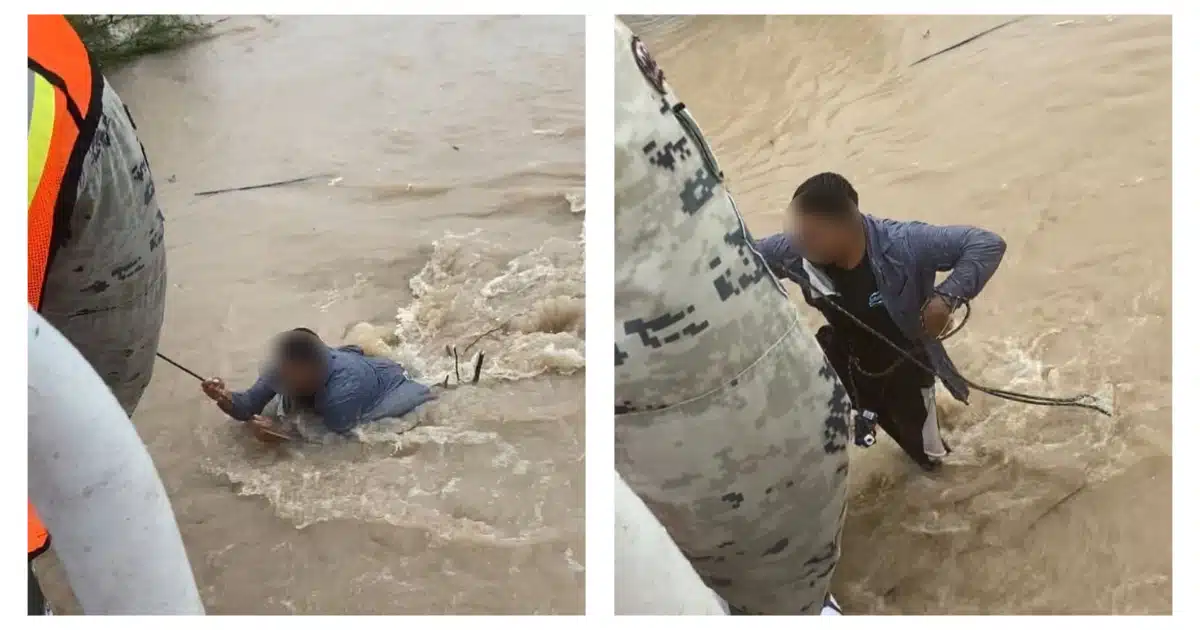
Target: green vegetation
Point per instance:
(117, 39)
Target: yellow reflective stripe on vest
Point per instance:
(41, 130)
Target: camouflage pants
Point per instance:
(106, 286)
(730, 424)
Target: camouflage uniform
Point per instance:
(107, 284)
(730, 424)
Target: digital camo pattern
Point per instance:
(730, 424)
(106, 287)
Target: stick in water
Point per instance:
(205, 193)
(966, 41)
(478, 368)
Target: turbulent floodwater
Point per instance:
(447, 212)
(1056, 133)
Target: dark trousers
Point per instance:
(895, 397)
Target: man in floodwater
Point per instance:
(342, 385)
(882, 272)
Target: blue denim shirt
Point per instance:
(905, 257)
(358, 389)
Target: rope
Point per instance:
(297, 437)
(1081, 401)
(185, 370)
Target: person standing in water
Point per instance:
(882, 272)
(342, 385)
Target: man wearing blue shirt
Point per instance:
(862, 271)
(342, 385)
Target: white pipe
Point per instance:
(652, 576)
(97, 491)
(730, 426)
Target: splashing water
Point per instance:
(478, 464)
(527, 319)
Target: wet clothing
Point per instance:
(887, 291)
(904, 257)
(357, 389)
(858, 294)
(901, 397)
(878, 378)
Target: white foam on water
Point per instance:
(576, 203)
(1011, 463)
(1042, 435)
(528, 319)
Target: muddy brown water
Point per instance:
(1056, 133)
(449, 203)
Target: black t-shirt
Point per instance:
(859, 294)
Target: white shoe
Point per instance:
(831, 607)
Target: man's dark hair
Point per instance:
(300, 345)
(826, 194)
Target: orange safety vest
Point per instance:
(39, 538)
(64, 109)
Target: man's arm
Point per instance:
(782, 257)
(245, 405)
(970, 254)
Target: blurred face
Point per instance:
(823, 239)
(299, 378)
